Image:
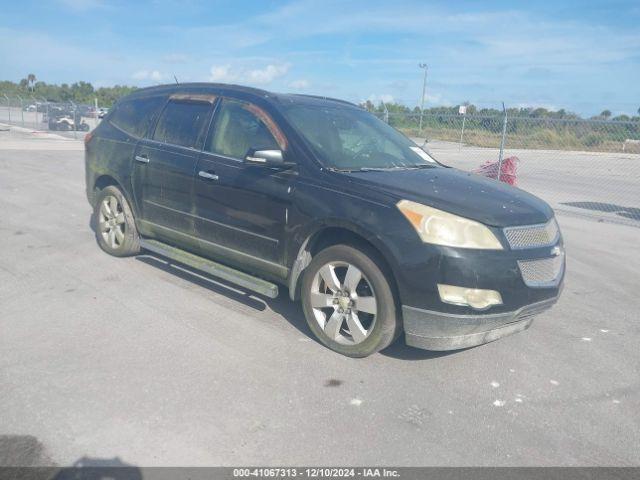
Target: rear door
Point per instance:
(241, 210)
(164, 168)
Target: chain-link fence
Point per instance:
(68, 119)
(584, 166)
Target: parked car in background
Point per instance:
(102, 112)
(372, 234)
(67, 121)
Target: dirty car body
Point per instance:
(467, 259)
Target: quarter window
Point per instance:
(135, 116)
(240, 126)
(182, 123)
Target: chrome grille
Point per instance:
(532, 236)
(545, 272)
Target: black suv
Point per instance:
(316, 194)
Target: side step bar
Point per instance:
(212, 268)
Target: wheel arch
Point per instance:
(105, 180)
(335, 233)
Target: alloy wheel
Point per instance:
(111, 222)
(343, 303)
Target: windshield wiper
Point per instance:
(398, 167)
(376, 169)
(421, 165)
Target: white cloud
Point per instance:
(153, 75)
(222, 73)
(268, 74)
(434, 98)
(263, 76)
(299, 84)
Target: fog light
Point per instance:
(472, 297)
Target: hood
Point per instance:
(461, 193)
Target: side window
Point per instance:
(240, 126)
(137, 114)
(182, 123)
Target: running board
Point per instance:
(212, 268)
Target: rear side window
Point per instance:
(136, 115)
(182, 123)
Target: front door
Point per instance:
(241, 210)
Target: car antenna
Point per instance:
(176, 79)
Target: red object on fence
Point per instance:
(508, 170)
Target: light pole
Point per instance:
(424, 90)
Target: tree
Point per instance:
(621, 118)
(540, 112)
(368, 105)
(606, 114)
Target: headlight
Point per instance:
(442, 228)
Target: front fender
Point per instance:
(303, 241)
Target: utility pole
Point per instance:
(424, 91)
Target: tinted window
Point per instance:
(237, 129)
(182, 123)
(136, 115)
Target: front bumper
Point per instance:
(445, 331)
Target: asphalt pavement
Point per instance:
(151, 364)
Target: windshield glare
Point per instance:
(348, 138)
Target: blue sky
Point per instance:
(579, 55)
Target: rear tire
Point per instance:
(349, 303)
(115, 227)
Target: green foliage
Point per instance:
(78, 92)
(526, 128)
(540, 113)
(592, 139)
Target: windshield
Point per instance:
(348, 138)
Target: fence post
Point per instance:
(46, 106)
(95, 117)
(35, 104)
(75, 115)
(504, 134)
(464, 118)
(21, 109)
(8, 106)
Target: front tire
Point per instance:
(115, 227)
(348, 302)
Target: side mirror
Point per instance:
(266, 158)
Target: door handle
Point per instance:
(207, 175)
(142, 158)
